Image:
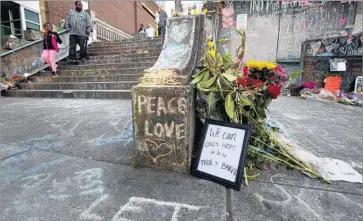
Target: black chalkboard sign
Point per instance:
(222, 153)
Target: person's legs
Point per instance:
(81, 40)
(44, 57)
(52, 56)
(163, 31)
(86, 48)
(72, 47)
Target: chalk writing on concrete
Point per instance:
(135, 205)
(88, 215)
(35, 180)
(85, 182)
(159, 106)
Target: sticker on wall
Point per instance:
(241, 21)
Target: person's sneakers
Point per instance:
(55, 75)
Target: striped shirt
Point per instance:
(79, 23)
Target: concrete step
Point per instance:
(126, 52)
(122, 48)
(91, 78)
(84, 94)
(124, 60)
(104, 66)
(123, 85)
(157, 40)
(123, 56)
(87, 72)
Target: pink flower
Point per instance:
(309, 85)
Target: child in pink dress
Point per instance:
(50, 47)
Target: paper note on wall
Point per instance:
(241, 21)
(338, 66)
(332, 84)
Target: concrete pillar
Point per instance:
(43, 12)
(163, 107)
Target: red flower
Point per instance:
(16, 76)
(274, 91)
(249, 82)
(242, 81)
(254, 82)
(245, 71)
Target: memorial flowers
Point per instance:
(240, 93)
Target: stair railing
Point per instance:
(109, 33)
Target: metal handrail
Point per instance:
(108, 32)
(28, 45)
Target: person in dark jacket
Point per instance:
(50, 45)
(162, 22)
(141, 29)
(80, 25)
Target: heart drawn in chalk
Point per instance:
(156, 151)
(315, 45)
(178, 31)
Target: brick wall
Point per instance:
(57, 10)
(120, 14)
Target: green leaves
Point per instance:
(207, 84)
(246, 102)
(295, 74)
(261, 112)
(229, 75)
(198, 77)
(229, 106)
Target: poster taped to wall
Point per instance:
(358, 88)
(241, 22)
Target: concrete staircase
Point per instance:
(110, 73)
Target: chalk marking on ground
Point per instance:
(87, 214)
(131, 207)
(35, 180)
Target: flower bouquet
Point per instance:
(240, 93)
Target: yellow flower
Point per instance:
(210, 44)
(260, 65)
(212, 53)
(271, 66)
(205, 11)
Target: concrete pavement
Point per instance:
(70, 160)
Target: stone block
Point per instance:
(32, 35)
(163, 118)
(163, 107)
(10, 42)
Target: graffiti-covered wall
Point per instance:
(276, 29)
(317, 55)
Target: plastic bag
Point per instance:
(330, 169)
(326, 95)
(306, 91)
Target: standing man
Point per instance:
(80, 26)
(162, 22)
(141, 29)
